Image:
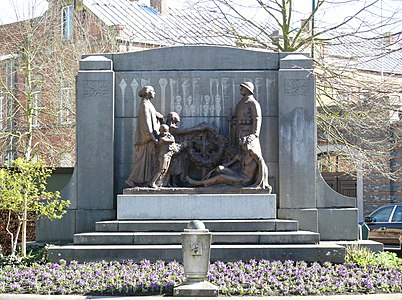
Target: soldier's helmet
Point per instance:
(248, 85)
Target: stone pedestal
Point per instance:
(196, 250)
(143, 206)
(196, 289)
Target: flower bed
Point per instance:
(254, 278)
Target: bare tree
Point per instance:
(40, 61)
(356, 95)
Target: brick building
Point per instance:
(53, 44)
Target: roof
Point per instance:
(140, 23)
(379, 54)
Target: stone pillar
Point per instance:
(95, 142)
(297, 141)
(196, 250)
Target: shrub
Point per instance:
(365, 257)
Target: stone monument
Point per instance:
(216, 147)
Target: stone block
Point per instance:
(371, 245)
(309, 253)
(96, 63)
(56, 230)
(125, 132)
(269, 140)
(196, 289)
(296, 61)
(95, 139)
(196, 58)
(103, 226)
(307, 217)
(103, 238)
(338, 224)
(267, 225)
(196, 206)
(328, 198)
(86, 219)
(323, 252)
(297, 137)
(286, 225)
(69, 192)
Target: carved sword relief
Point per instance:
(162, 83)
(195, 107)
(145, 82)
(213, 84)
(173, 93)
(187, 99)
(225, 93)
(259, 85)
(134, 87)
(123, 86)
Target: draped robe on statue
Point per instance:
(145, 147)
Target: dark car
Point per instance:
(385, 226)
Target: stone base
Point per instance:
(196, 289)
(307, 217)
(196, 206)
(338, 224)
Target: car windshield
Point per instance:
(397, 217)
(382, 215)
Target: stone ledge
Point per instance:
(218, 189)
(196, 206)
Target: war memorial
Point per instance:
(222, 135)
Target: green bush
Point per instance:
(365, 257)
(37, 253)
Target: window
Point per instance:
(397, 217)
(382, 215)
(67, 22)
(66, 107)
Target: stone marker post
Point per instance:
(95, 142)
(297, 141)
(196, 249)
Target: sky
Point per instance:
(17, 10)
(334, 12)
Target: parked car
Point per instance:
(385, 226)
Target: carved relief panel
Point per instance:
(200, 95)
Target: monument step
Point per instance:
(171, 238)
(211, 225)
(322, 252)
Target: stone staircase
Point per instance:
(236, 239)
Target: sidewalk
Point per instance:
(338, 297)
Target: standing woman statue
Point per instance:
(148, 124)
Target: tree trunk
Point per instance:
(10, 233)
(24, 230)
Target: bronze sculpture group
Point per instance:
(167, 155)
